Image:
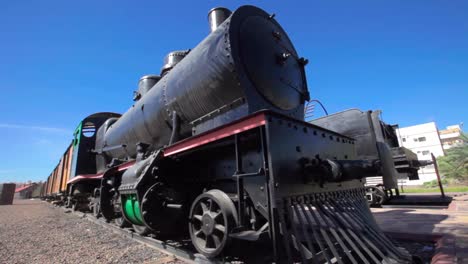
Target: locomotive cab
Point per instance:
(84, 158)
(83, 170)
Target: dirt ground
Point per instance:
(31, 231)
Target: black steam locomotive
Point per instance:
(216, 147)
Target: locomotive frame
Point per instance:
(284, 184)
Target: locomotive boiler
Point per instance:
(246, 64)
(216, 149)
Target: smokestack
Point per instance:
(216, 17)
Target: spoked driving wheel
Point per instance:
(212, 217)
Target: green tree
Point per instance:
(454, 165)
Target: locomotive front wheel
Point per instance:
(212, 217)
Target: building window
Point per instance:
(420, 139)
(404, 139)
(425, 152)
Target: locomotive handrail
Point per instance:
(260, 172)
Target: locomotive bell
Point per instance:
(216, 17)
(172, 59)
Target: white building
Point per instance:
(423, 140)
(451, 136)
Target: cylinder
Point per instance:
(216, 16)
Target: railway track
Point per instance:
(174, 248)
(414, 206)
(181, 249)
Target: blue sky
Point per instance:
(63, 60)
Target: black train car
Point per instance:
(378, 141)
(217, 144)
(7, 193)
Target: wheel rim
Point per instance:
(378, 194)
(208, 225)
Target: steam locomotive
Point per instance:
(216, 147)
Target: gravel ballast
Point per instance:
(31, 231)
